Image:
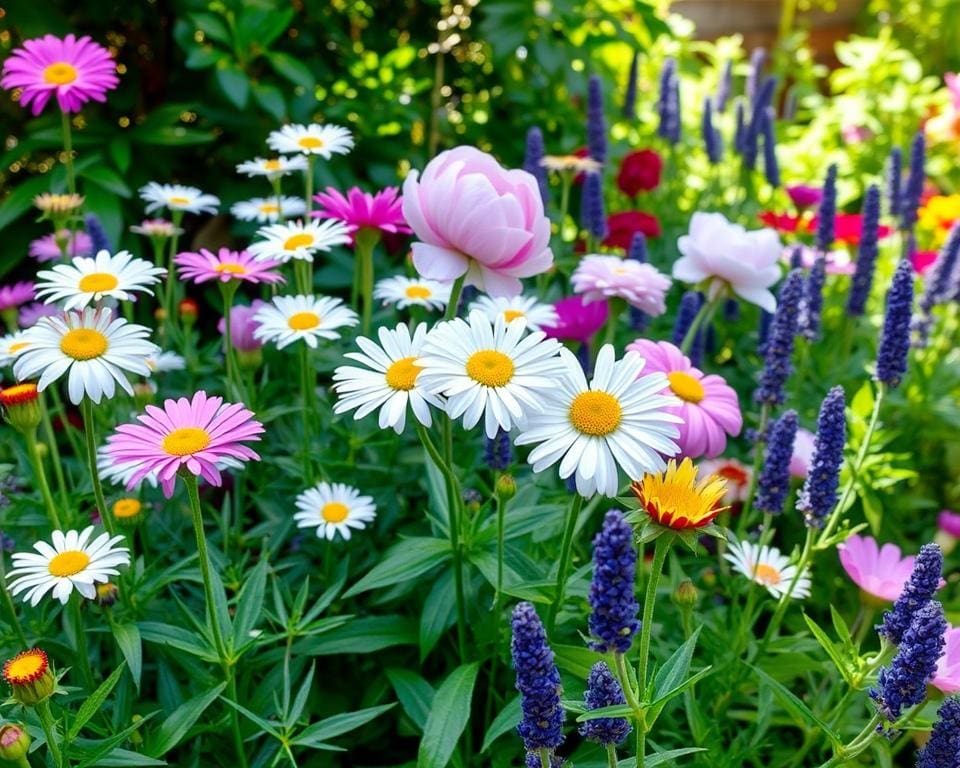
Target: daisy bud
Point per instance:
(14, 742)
(603, 690)
(188, 310)
(538, 680)
(917, 592)
(107, 594)
(21, 404)
(506, 487)
(942, 749)
(613, 605)
(30, 677)
(686, 594)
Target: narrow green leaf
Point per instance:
(331, 727)
(268, 726)
(175, 637)
(829, 646)
(841, 628)
(415, 694)
(181, 720)
(128, 638)
(448, 717)
(250, 604)
(674, 671)
(98, 754)
(660, 758)
(795, 706)
(92, 704)
(439, 613)
(657, 704)
(404, 561)
(292, 69)
(616, 710)
(366, 635)
(507, 719)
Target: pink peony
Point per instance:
(947, 678)
(361, 210)
(473, 217)
(709, 406)
(802, 453)
(881, 572)
(729, 258)
(640, 285)
(577, 319)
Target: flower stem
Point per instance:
(630, 695)
(774, 625)
(227, 291)
(55, 460)
(37, 463)
(364, 241)
(455, 292)
(8, 602)
(700, 319)
(49, 731)
(86, 408)
(544, 758)
(754, 471)
(83, 655)
(660, 551)
(193, 493)
(611, 756)
(68, 152)
(616, 308)
(563, 569)
(170, 293)
(566, 180)
(308, 201)
(306, 390)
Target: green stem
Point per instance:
(37, 463)
(235, 716)
(616, 308)
(630, 695)
(308, 200)
(563, 569)
(68, 152)
(55, 460)
(455, 292)
(8, 602)
(193, 493)
(227, 291)
(649, 601)
(86, 408)
(784, 601)
(176, 217)
(49, 731)
(365, 240)
(306, 391)
(611, 756)
(544, 758)
(61, 412)
(83, 655)
(703, 314)
(744, 522)
(566, 181)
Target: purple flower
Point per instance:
(819, 493)
(724, 86)
(919, 590)
(895, 182)
(46, 248)
(242, 326)
(603, 690)
(497, 453)
(712, 141)
(771, 168)
(592, 213)
(12, 296)
(774, 481)
(613, 605)
(31, 313)
(531, 162)
(867, 253)
(804, 196)
(538, 680)
(596, 122)
(812, 304)
(913, 188)
(895, 337)
(943, 748)
(778, 349)
(938, 284)
(827, 213)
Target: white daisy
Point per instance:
(403, 292)
(12, 345)
(489, 369)
(536, 314)
(93, 346)
(334, 508)
(389, 380)
(156, 228)
(85, 280)
(177, 197)
(296, 240)
(290, 318)
(617, 420)
(562, 163)
(266, 209)
(768, 567)
(272, 167)
(73, 562)
(161, 362)
(313, 139)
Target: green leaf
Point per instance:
(659, 758)
(20, 200)
(271, 99)
(576, 659)
(250, 604)
(404, 561)
(415, 694)
(106, 178)
(448, 717)
(176, 637)
(212, 26)
(674, 671)
(840, 627)
(657, 704)
(92, 703)
(221, 612)
(366, 635)
(203, 56)
(128, 638)
(506, 720)
(616, 710)
(331, 727)
(235, 85)
(292, 69)
(120, 153)
(795, 706)
(266, 725)
(98, 754)
(439, 612)
(181, 720)
(829, 646)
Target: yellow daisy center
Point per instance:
(68, 563)
(595, 413)
(310, 142)
(179, 200)
(301, 240)
(303, 321)
(97, 282)
(272, 165)
(230, 269)
(25, 667)
(59, 73)
(767, 574)
(512, 314)
(83, 344)
(403, 374)
(14, 348)
(127, 508)
(334, 512)
(490, 368)
(418, 292)
(269, 208)
(675, 499)
(185, 441)
(686, 387)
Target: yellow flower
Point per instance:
(676, 500)
(938, 215)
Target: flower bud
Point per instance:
(249, 360)
(107, 594)
(686, 594)
(188, 310)
(127, 512)
(506, 487)
(144, 394)
(14, 742)
(21, 402)
(30, 677)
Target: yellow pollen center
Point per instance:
(83, 344)
(595, 413)
(230, 269)
(304, 321)
(418, 292)
(310, 142)
(59, 73)
(175, 200)
(272, 165)
(490, 368)
(767, 574)
(334, 512)
(297, 241)
(403, 374)
(512, 314)
(127, 508)
(25, 666)
(269, 208)
(97, 282)
(14, 348)
(686, 387)
(68, 563)
(185, 441)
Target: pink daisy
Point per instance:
(639, 284)
(31, 313)
(195, 435)
(709, 407)
(947, 678)
(227, 265)
(948, 521)
(577, 320)
(12, 296)
(881, 572)
(361, 210)
(75, 70)
(46, 249)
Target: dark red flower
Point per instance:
(639, 172)
(848, 228)
(623, 226)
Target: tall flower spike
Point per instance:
(904, 682)
(913, 188)
(895, 337)
(895, 182)
(751, 139)
(538, 680)
(669, 104)
(740, 129)
(689, 306)
(943, 748)
(638, 252)
(771, 168)
(819, 493)
(778, 349)
(596, 122)
(98, 235)
(774, 481)
(592, 212)
(867, 253)
(919, 590)
(724, 86)
(531, 162)
(630, 98)
(603, 690)
(613, 605)
(758, 58)
(827, 213)
(712, 141)
(937, 287)
(812, 305)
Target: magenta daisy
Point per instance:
(361, 210)
(226, 265)
(47, 248)
(709, 406)
(12, 296)
(73, 69)
(185, 435)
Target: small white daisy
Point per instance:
(290, 318)
(536, 314)
(334, 508)
(489, 369)
(273, 167)
(617, 420)
(73, 562)
(313, 139)
(403, 292)
(93, 346)
(157, 228)
(389, 380)
(12, 345)
(85, 280)
(266, 209)
(161, 362)
(177, 197)
(561, 163)
(768, 567)
(296, 240)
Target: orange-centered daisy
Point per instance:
(676, 500)
(26, 667)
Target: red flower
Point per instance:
(623, 226)
(639, 172)
(848, 228)
(782, 222)
(922, 261)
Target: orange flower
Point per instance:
(676, 500)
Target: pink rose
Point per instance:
(474, 217)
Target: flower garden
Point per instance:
(491, 384)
